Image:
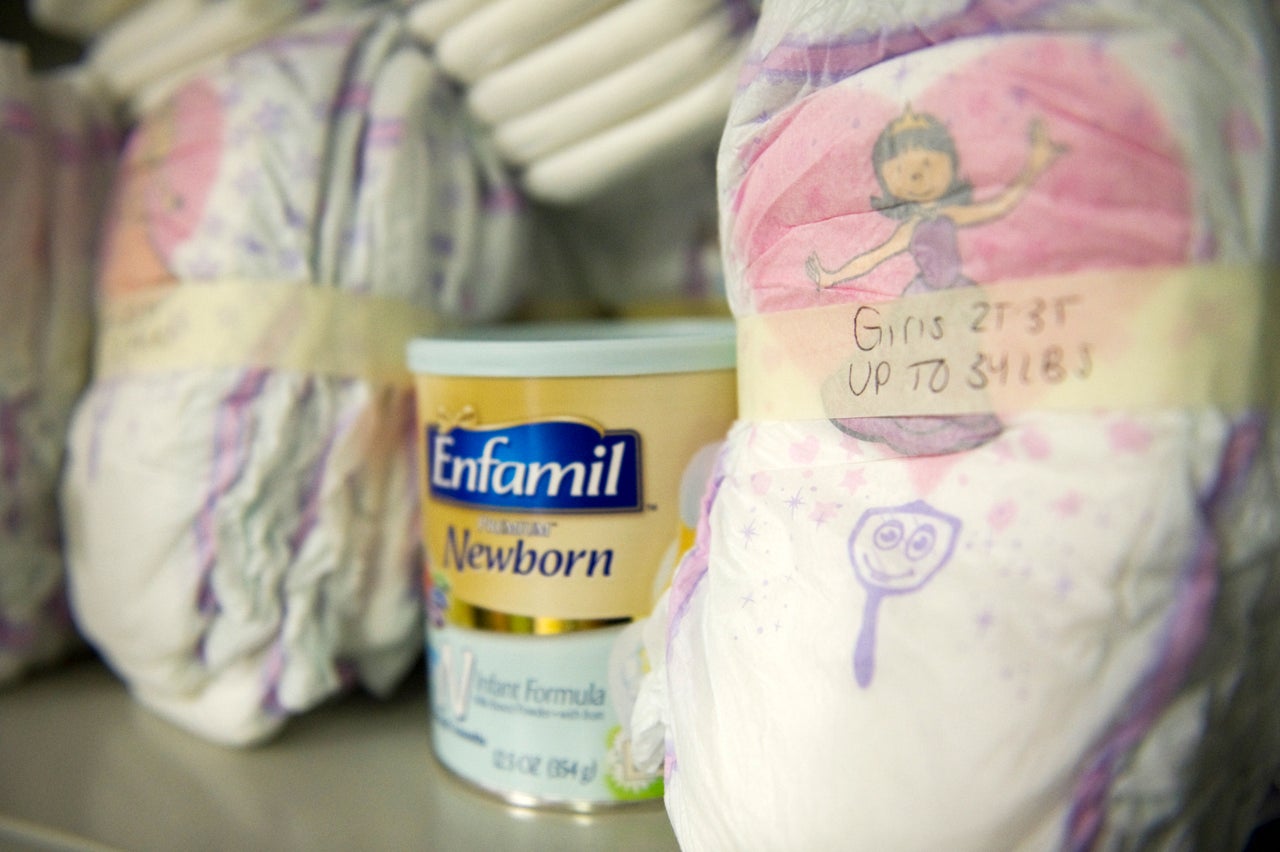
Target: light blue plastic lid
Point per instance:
(578, 349)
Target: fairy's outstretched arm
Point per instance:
(1043, 152)
(863, 263)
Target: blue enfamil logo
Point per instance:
(544, 466)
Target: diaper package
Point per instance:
(582, 94)
(57, 149)
(139, 51)
(989, 560)
(78, 19)
(241, 506)
(609, 113)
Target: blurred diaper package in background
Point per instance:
(293, 190)
(57, 154)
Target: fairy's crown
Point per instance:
(910, 120)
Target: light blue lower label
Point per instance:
(532, 715)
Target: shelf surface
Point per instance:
(84, 767)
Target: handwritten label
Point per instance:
(280, 325)
(1120, 339)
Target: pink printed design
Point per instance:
(1108, 192)
(1002, 515)
(167, 174)
(804, 452)
(1129, 437)
(985, 176)
(1240, 133)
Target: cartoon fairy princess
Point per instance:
(917, 166)
(916, 163)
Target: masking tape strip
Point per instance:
(273, 324)
(1196, 336)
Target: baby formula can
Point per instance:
(553, 458)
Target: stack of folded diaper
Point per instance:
(78, 19)
(241, 503)
(138, 51)
(582, 93)
(963, 579)
(609, 112)
(57, 149)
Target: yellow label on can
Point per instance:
(556, 498)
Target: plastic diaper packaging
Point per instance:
(990, 559)
(609, 112)
(78, 19)
(138, 51)
(58, 148)
(241, 502)
(581, 94)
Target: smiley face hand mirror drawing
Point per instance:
(895, 550)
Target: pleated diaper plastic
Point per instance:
(241, 502)
(990, 559)
(609, 113)
(138, 51)
(582, 94)
(57, 151)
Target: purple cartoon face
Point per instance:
(895, 550)
(898, 549)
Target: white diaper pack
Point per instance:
(241, 499)
(580, 95)
(57, 154)
(990, 559)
